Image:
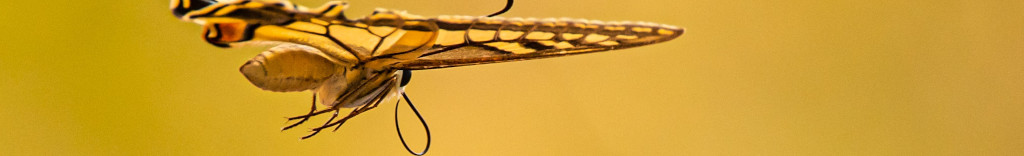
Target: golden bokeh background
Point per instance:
(798, 77)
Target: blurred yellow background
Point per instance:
(846, 77)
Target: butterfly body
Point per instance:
(360, 62)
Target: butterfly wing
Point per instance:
(389, 39)
(464, 40)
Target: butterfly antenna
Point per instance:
(406, 76)
(424, 122)
(508, 5)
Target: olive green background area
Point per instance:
(848, 77)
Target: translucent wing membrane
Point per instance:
(464, 40)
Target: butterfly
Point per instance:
(357, 63)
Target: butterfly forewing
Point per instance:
(464, 40)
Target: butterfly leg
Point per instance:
(331, 122)
(317, 130)
(311, 110)
(358, 110)
(377, 100)
(335, 107)
(362, 109)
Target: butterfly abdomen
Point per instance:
(287, 68)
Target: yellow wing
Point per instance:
(464, 40)
(389, 39)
